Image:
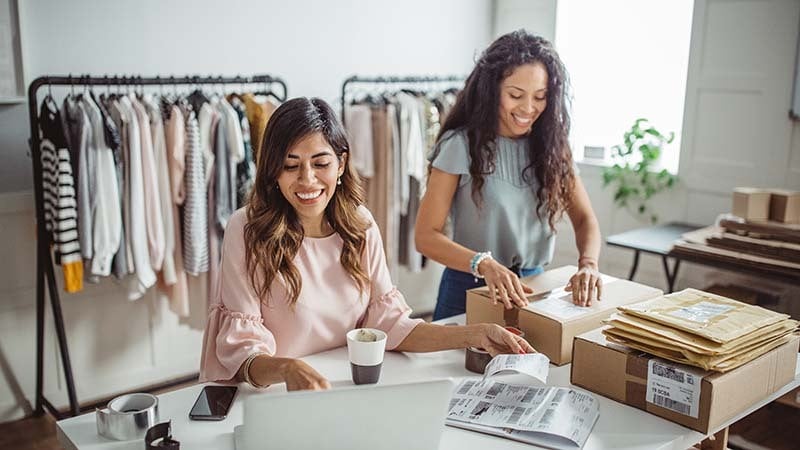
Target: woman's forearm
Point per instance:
(428, 337)
(438, 247)
(588, 241)
(265, 370)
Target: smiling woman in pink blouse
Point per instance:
(303, 263)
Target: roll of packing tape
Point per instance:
(477, 359)
(128, 417)
(517, 331)
(160, 437)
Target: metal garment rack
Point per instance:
(355, 79)
(44, 260)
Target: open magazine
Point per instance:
(554, 417)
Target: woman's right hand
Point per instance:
(300, 376)
(504, 285)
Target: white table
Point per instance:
(619, 426)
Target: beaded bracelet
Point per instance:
(247, 363)
(476, 261)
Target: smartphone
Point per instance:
(213, 403)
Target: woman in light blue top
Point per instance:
(503, 170)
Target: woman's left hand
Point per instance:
(585, 286)
(498, 341)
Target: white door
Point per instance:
(736, 129)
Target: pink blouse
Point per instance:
(329, 305)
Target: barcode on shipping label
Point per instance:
(668, 403)
(674, 387)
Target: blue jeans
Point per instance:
(453, 289)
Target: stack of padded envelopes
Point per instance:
(700, 329)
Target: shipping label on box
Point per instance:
(673, 386)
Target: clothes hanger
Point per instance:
(49, 101)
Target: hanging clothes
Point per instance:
(216, 138)
(359, 134)
(78, 131)
(58, 186)
(228, 150)
(399, 143)
(153, 182)
(114, 142)
(195, 210)
(178, 293)
(153, 218)
(382, 188)
(168, 272)
(107, 213)
(246, 169)
(258, 113)
(145, 276)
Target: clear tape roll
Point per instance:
(128, 417)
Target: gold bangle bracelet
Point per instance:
(247, 363)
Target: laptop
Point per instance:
(375, 417)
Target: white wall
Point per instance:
(313, 45)
(536, 16)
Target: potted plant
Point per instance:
(633, 173)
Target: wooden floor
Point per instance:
(774, 427)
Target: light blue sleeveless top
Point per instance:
(506, 223)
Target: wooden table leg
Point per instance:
(717, 441)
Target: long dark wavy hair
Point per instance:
(273, 232)
(476, 110)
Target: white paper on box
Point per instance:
(674, 387)
(701, 312)
(559, 303)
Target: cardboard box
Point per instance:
(784, 206)
(751, 203)
(551, 322)
(623, 374)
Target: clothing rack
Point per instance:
(355, 79)
(45, 271)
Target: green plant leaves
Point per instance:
(632, 173)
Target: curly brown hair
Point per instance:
(273, 232)
(476, 110)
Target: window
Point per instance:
(626, 59)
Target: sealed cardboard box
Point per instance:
(784, 206)
(551, 320)
(698, 399)
(751, 203)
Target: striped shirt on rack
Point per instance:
(195, 207)
(60, 206)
